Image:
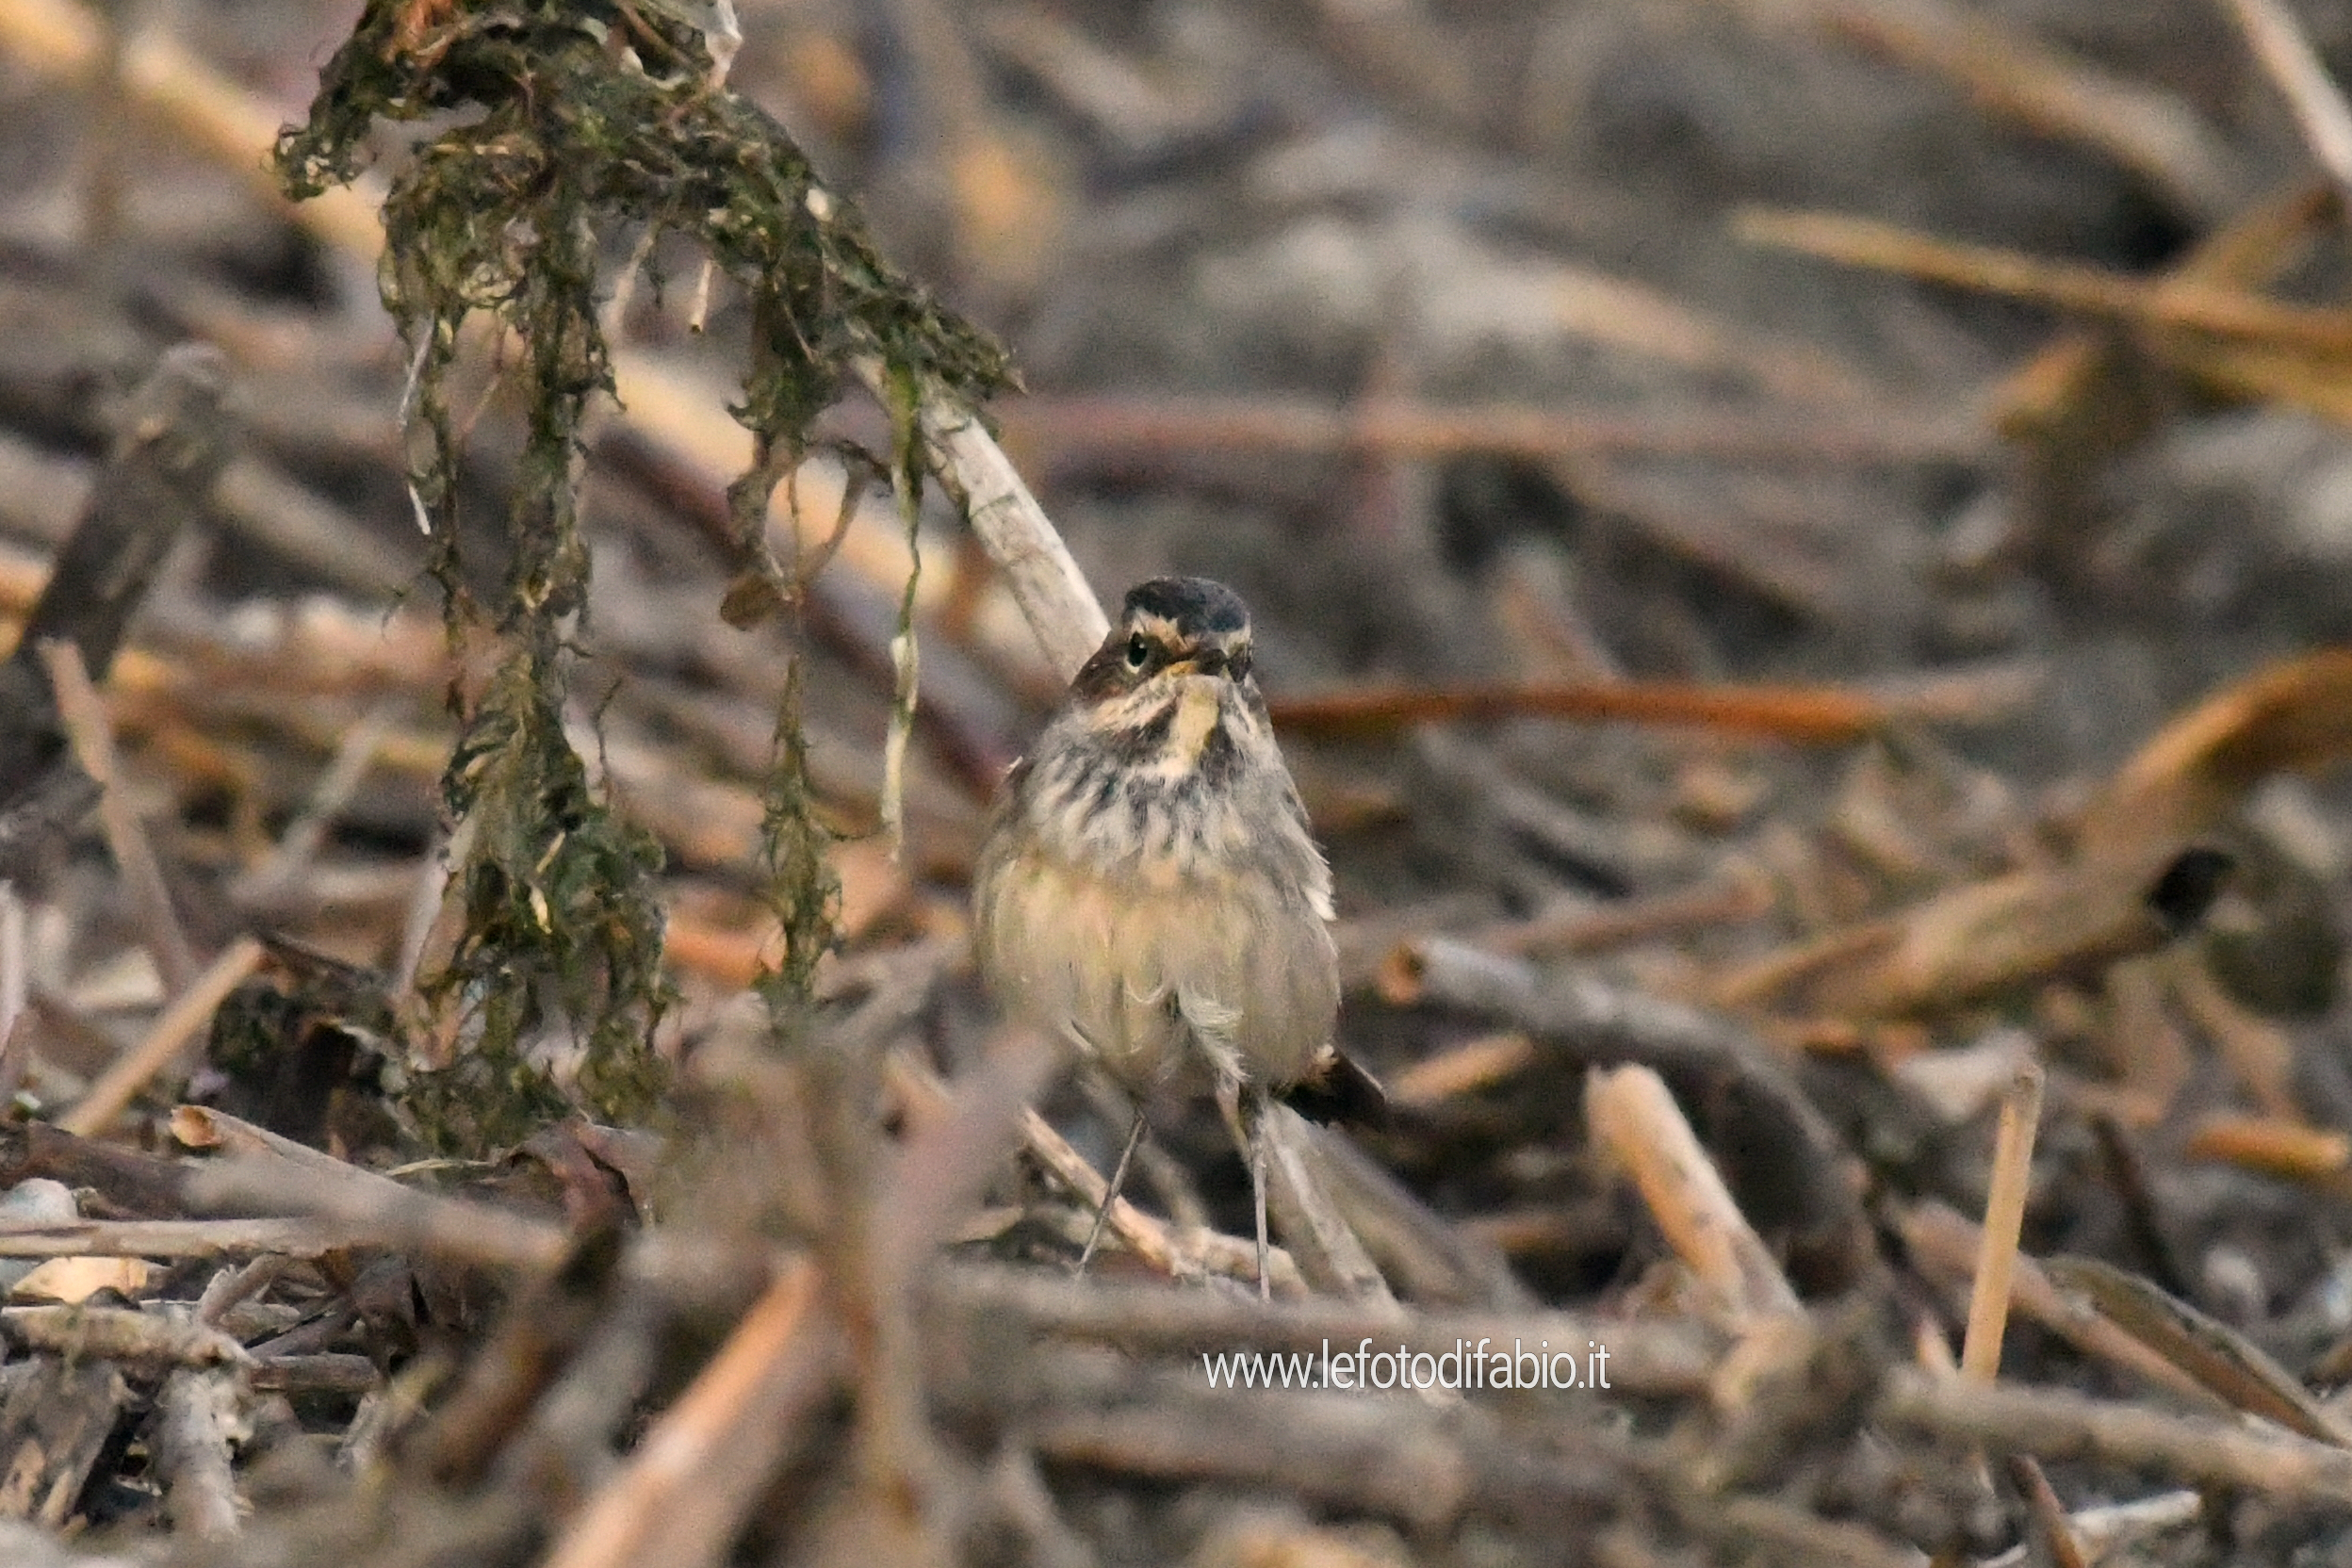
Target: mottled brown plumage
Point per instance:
(1149, 884)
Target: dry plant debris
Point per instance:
(1799, 555)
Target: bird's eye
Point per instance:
(1138, 651)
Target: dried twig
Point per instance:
(2278, 42)
(1812, 715)
(196, 1416)
(171, 445)
(119, 1334)
(179, 1239)
(2054, 1425)
(1980, 940)
(678, 1500)
(2154, 133)
(1635, 1120)
(2004, 1218)
(1465, 1069)
(2219, 1358)
(1653, 1358)
(2295, 1150)
(2207, 309)
(1051, 591)
(84, 714)
(188, 1012)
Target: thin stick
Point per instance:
(1052, 592)
(1794, 713)
(1103, 1210)
(2053, 1530)
(299, 845)
(84, 713)
(770, 1366)
(2004, 1218)
(14, 961)
(2279, 44)
(2187, 304)
(189, 1011)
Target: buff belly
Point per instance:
(1064, 949)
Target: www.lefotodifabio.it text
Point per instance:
(1468, 1365)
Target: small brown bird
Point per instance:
(1148, 884)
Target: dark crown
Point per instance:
(1194, 605)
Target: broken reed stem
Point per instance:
(1634, 1117)
(1948, 1244)
(188, 1012)
(2045, 1514)
(1052, 593)
(189, 1439)
(83, 712)
(680, 1499)
(2004, 1218)
(2280, 47)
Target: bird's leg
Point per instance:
(1257, 1185)
(1245, 1121)
(1212, 1027)
(1110, 1193)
